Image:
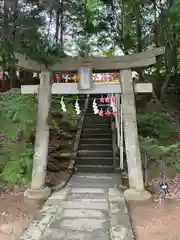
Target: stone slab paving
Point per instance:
(90, 207)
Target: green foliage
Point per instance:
(158, 125)
(18, 110)
(71, 110)
(159, 142)
(42, 51)
(17, 121)
(70, 115)
(151, 147)
(18, 166)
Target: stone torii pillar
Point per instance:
(38, 190)
(99, 64)
(133, 155)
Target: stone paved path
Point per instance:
(89, 208)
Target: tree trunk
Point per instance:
(58, 11)
(5, 30)
(168, 66)
(139, 36)
(10, 25)
(62, 27)
(123, 24)
(156, 39)
(50, 21)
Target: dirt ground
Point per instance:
(158, 218)
(150, 219)
(15, 213)
(156, 221)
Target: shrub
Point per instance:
(158, 125)
(159, 142)
(17, 121)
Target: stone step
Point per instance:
(62, 155)
(96, 116)
(96, 130)
(95, 169)
(95, 147)
(96, 125)
(92, 146)
(92, 115)
(90, 119)
(95, 141)
(95, 153)
(96, 135)
(82, 160)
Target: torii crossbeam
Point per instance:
(99, 88)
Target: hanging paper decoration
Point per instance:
(108, 113)
(77, 107)
(63, 106)
(17, 73)
(95, 77)
(101, 113)
(107, 99)
(102, 99)
(111, 104)
(95, 107)
(35, 75)
(67, 77)
(114, 110)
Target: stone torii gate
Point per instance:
(127, 89)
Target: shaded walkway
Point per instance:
(89, 208)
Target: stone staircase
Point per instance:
(95, 152)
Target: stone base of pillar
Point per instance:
(37, 194)
(134, 195)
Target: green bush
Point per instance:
(159, 137)
(158, 125)
(17, 121)
(18, 166)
